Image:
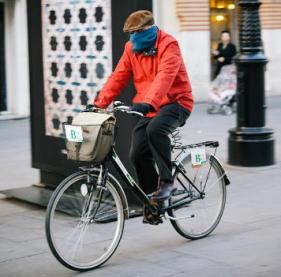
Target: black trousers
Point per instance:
(151, 144)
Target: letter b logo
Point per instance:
(73, 134)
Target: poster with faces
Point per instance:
(77, 57)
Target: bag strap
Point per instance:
(77, 149)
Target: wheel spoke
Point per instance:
(215, 182)
(207, 193)
(73, 228)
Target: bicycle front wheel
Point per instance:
(202, 192)
(84, 222)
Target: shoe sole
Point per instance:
(164, 198)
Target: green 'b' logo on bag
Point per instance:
(73, 134)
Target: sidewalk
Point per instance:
(247, 241)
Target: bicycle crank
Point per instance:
(179, 218)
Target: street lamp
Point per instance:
(250, 143)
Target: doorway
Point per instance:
(3, 98)
(223, 16)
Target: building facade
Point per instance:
(197, 25)
(14, 69)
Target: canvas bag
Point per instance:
(98, 137)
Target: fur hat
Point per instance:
(137, 20)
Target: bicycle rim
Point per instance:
(198, 217)
(77, 238)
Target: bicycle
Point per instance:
(87, 211)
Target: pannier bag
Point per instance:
(90, 136)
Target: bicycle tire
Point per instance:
(63, 190)
(187, 227)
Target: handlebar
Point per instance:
(117, 106)
(126, 109)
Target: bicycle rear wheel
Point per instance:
(84, 222)
(199, 216)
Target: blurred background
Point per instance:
(195, 23)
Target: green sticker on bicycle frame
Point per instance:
(198, 155)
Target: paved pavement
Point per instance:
(247, 242)
(15, 147)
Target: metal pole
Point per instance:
(250, 143)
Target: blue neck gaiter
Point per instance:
(144, 40)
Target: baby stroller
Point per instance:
(223, 89)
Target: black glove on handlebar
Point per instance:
(89, 108)
(143, 108)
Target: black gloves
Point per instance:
(143, 108)
(89, 108)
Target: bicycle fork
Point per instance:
(89, 210)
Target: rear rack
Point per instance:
(212, 144)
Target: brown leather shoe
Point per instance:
(164, 191)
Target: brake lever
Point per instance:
(136, 113)
(128, 110)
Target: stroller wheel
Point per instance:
(213, 109)
(226, 110)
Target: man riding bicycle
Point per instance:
(163, 96)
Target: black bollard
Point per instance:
(250, 143)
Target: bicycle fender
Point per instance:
(215, 160)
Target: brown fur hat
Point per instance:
(137, 20)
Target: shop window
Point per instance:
(223, 16)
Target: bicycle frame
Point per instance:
(162, 207)
(139, 193)
(129, 180)
(187, 198)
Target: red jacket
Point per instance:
(159, 79)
